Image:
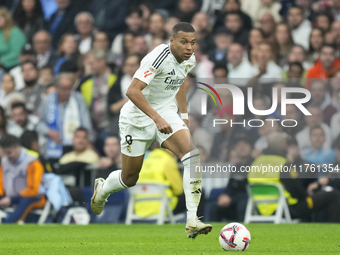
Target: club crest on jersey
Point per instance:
(129, 148)
(186, 68)
(152, 69)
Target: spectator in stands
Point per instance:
(323, 21)
(27, 54)
(6, 90)
(256, 37)
(220, 73)
(156, 26)
(267, 70)
(332, 177)
(297, 54)
(204, 66)
(42, 44)
(294, 74)
(326, 63)
(29, 16)
(316, 40)
(283, 42)
(140, 46)
(61, 114)
(319, 95)
(317, 154)
(95, 92)
(30, 141)
(186, 10)
(204, 35)
(170, 23)
(303, 137)
(225, 139)
(110, 15)
(21, 120)
(256, 9)
(199, 135)
(268, 26)
(134, 21)
(3, 122)
(335, 10)
(62, 21)
(293, 113)
(67, 50)
(117, 93)
(335, 121)
(301, 27)
(84, 23)
(160, 167)
(46, 77)
(306, 7)
(334, 35)
(231, 204)
(240, 69)
(101, 42)
(75, 162)
(112, 160)
(222, 39)
(232, 6)
(270, 126)
(33, 90)
(301, 205)
(11, 41)
(234, 23)
(20, 179)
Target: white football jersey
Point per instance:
(163, 75)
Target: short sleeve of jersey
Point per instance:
(151, 63)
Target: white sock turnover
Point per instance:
(113, 183)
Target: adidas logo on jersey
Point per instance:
(172, 72)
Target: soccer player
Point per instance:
(151, 114)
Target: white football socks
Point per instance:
(192, 183)
(113, 183)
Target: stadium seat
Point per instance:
(267, 194)
(155, 192)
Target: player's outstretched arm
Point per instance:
(134, 93)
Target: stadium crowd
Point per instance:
(65, 67)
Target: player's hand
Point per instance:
(54, 135)
(187, 123)
(5, 202)
(311, 187)
(163, 126)
(224, 200)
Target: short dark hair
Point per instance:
(28, 138)
(135, 9)
(29, 62)
(82, 129)
(19, 105)
(184, 27)
(296, 63)
(220, 66)
(9, 141)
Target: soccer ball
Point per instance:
(234, 237)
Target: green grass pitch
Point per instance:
(167, 239)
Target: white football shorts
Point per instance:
(136, 140)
